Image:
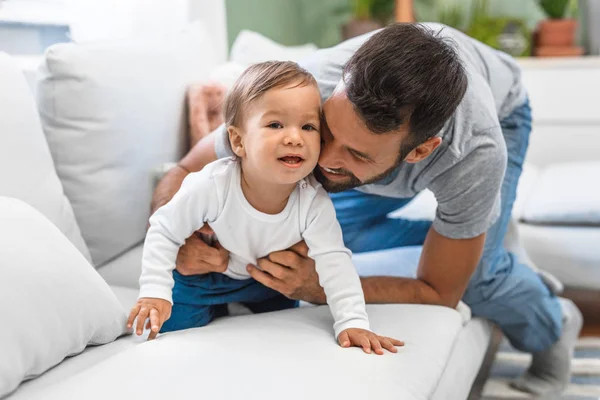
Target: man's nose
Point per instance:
(330, 155)
(293, 137)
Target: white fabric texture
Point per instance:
(570, 253)
(111, 113)
(467, 355)
(214, 195)
(55, 302)
(251, 47)
(566, 194)
(288, 354)
(26, 168)
(124, 270)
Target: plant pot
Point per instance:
(359, 27)
(556, 32)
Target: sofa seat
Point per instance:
(571, 253)
(443, 352)
(290, 354)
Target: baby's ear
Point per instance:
(236, 140)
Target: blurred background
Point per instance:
(519, 27)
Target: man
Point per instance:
(408, 108)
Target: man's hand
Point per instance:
(368, 341)
(196, 257)
(158, 310)
(205, 106)
(292, 273)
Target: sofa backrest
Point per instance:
(26, 168)
(113, 112)
(564, 95)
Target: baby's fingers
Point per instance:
(395, 342)
(132, 314)
(154, 324)
(387, 344)
(365, 343)
(141, 319)
(376, 345)
(344, 339)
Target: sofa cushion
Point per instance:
(251, 47)
(289, 354)
(111, 113)
(565, 194)
(55, 303)
(26, 168)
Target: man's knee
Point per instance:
(521, 304)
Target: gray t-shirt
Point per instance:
(465, 172)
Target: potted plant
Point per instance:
(557, 30)
(367, 16)
(555, 35)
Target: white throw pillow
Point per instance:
(112, 112)
(565, 194)
(252, 47)
(54, 303)
(26, 167)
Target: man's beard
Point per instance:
(352, 182)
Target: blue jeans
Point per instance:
(198, 299)
(501, 289)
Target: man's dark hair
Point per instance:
(406, 71)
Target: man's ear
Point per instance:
(423, 151)
(236, 139)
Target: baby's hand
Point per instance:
(158, 310)
(368, 340)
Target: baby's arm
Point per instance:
(196, 202)
(339, 278)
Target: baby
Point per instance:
(262, 201)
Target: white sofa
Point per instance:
(110, 113)
(558, 206)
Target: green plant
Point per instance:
(362, 9)
(380, 10)
(555, 9)
(452, 15)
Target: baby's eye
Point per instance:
(309, 128)
(275, 125)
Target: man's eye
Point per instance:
(359, 157)
(275, 125)
(309, 128)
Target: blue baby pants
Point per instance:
(198, 299)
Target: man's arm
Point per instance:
(200, 155)
(445, 267)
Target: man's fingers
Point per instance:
(300, 248)
(344, 340)
(285, 257)
(132, 314)
(206, 229)
(275, 270)
(264, 278)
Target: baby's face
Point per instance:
(282, 134)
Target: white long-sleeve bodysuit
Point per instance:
(214, 196)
